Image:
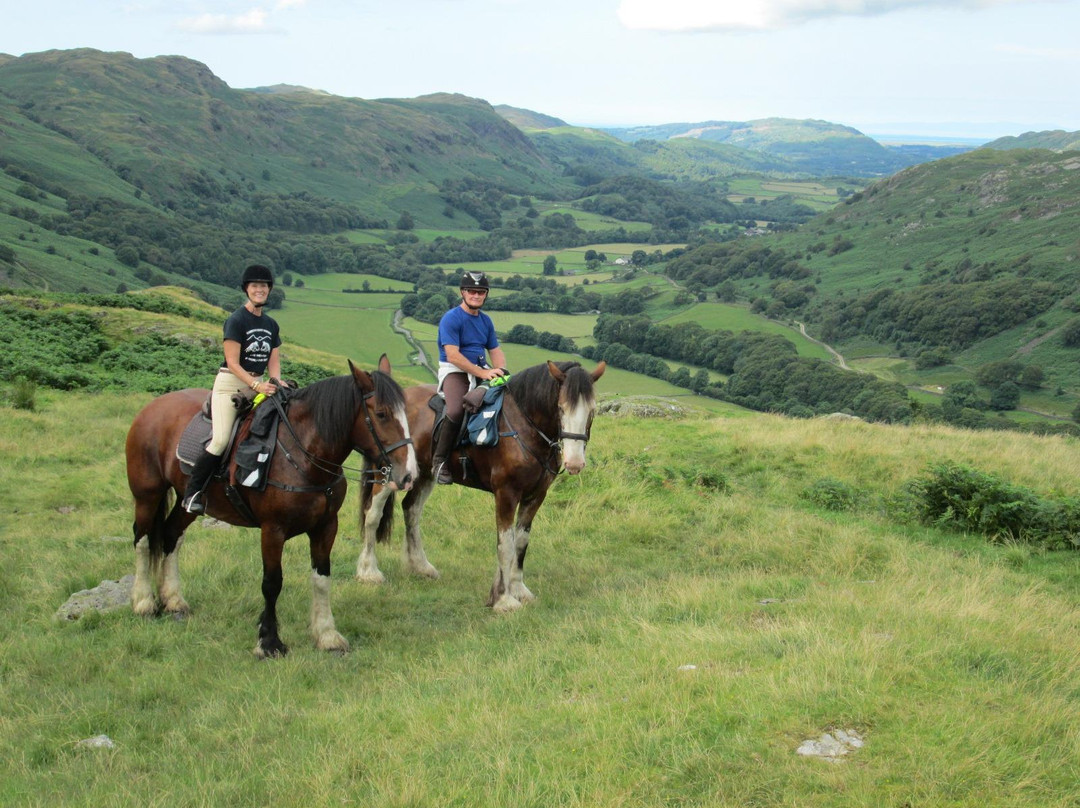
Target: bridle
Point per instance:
(554, 444)
(384, 451)
(381, 475)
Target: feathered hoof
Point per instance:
(366, 576)
(522, 593)
(424, 570)
(270, 649)
(177, 607)
(332, 642)
(506, 604)
(145, 607)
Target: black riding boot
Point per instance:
(440, 455)
(200, 475)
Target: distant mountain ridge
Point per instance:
(1055, 140)
(815, 146)
(180, 135)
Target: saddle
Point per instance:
(254, 437)
(480, 425)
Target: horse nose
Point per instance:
(574, 465)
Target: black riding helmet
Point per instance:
(257, 273)
(474, 280)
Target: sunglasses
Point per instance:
(476, 291)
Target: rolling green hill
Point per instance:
(1057, 140)
(170, 128)
(817, 147)
(950, 266)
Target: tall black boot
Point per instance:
(200, 475)
(440, 455)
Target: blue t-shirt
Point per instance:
(473, 335)
(258, 336)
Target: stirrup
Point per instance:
(194, 503)
(443, 476)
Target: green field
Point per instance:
(700, 617)
(725, 316)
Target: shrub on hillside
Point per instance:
(832, 495)
(959, 497)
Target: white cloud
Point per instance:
(288, 4)
(759, 15)
(252, 22)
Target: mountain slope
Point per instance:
(973, 257)
(171, 128)
(1057, 140)
(814, 146)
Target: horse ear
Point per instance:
(596, 374)
(556, 374)
(384, 364)
(362, 378)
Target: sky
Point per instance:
(961, 68)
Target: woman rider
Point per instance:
(251, 347)
(466, 337)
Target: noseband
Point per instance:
(381, 475)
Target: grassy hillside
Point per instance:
(712, 594)
(1058, 140)
(172, 129)
(814, 146)
(973, 255)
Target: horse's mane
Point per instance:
(334, 402)
(535, 390)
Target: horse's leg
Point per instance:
(323, 629)
(169, 572)
(413, 508)
(525, 516)
(270, 644)
(157, 545)
(501, 598)
(367, 566)
(143, 601)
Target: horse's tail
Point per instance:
(156, 534)
(385, 527)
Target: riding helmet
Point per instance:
(257, 273)
(474, 280)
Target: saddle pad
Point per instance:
(193, 441)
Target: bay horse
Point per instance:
(546, 420)
(326, 421)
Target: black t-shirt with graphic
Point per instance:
(257, 336)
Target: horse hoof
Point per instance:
(425, 570)
(274, 650)
(178, 608)
(333, 642)
(370, 577)
(523, 594)
(146, 607)
(506, 604)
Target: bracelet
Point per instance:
(255, 385)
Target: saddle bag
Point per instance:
(483, 426)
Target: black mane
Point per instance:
(536, 391)
(334, 402)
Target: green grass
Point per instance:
(954, 658)
(812, 193)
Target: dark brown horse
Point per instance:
(327, 420)
(545, 422)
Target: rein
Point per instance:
(552, 444)
(381, 475)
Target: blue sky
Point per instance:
(979, 68)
